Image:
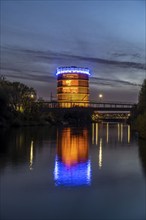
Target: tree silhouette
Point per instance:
(141, 119)
(142, 98)
(16, 95)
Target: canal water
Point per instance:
(94, 172)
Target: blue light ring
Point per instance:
(68, 70)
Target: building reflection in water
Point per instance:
(31, 156)
(72, 166)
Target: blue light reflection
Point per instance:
(77, 175)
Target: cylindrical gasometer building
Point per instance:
(73, 86)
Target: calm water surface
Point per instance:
(95, 172)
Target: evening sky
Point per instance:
(106, 36)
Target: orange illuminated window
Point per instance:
(73, 83)
(70, 76)
(68, 82)
(69, 90)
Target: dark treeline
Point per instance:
(139, 113)
(18, 105)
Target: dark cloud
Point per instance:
(27, 64)
(118, 54)
(106, 81)
(40, 78)
(42, 56)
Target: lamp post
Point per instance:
(32, 96)
(100, 97)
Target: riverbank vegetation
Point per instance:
(18, 106)
(139, 113)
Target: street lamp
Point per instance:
(32, 96)
(100, 97)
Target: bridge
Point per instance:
(98, 111)
(100, 106)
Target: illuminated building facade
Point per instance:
(73, 86)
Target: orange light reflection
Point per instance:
(72, 148)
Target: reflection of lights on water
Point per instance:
(96, 130)
(92, 133)
(56, 170)
(107, 132)
(31, 156)
(79, 174)
(118, 132)
(72, 148)
(128, 134)
(121, 132)
(100, 154)
(95, 133)
(72, 166)
(89, 172)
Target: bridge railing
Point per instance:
(87, 105)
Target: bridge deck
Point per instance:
(108, 106)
